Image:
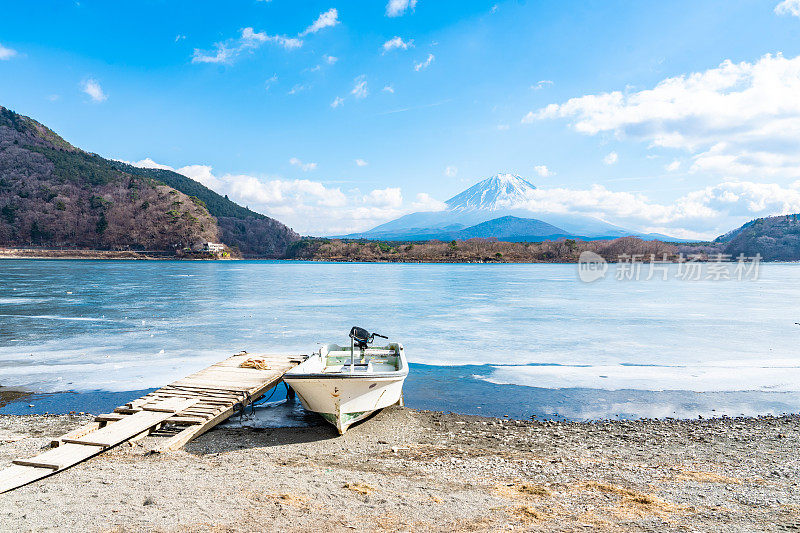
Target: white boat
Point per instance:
(347, 384)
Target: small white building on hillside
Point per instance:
(213, 247)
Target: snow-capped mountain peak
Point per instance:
(501, 191)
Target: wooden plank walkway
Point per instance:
(182, 410)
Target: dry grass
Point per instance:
(526, 513)
(632, 503)
(607, 488)
(359, 487)
(521, 490)
(283, 498)
(534, 490)
(706, 477)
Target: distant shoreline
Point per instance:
(27, 253)
(89, 255)
(465, 252)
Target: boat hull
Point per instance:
(345, 400)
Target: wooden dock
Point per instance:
(178, 412)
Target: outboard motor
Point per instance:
(361, 338)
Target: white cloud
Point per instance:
(361, 163)
(397, 42)
(503, 127)
(425, 64)
(541, 84)
(222, 54)
(202, 174)
(360, 89)
(388, 89)
(179, 38)
(305, 167)
(543, 171)
(6, 53)
(330, 59)
(704, 213)
(737, 119)
(397, 8)
(611, 158)
(93, 89)
(250, 40)
(389, 197)
(338, 101)
(450, 171)
(325, 20)
(297, 88)
(270, 81)
(494, 9)
(788, 7)
(672, 167)
(149, 163)
(425, 202)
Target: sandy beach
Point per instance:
(413, 470)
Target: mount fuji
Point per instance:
(496, 207)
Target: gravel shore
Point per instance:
(412, 470)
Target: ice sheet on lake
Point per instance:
(780, 375)
(87, 325)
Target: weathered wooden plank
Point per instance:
(65, 455)
(18, 475)
(204, 393)
(170, 405)
(109, 417)
(79, 432)
(192, 432)
(225, 378)
(117, 432)
(232, 385)
(198, 396)
(185, 420)
(209, 389)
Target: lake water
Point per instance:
(492, 339)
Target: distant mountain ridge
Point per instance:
(508, 228)
(513, 229)
(53, 194)
(774, 238)
(497, 197)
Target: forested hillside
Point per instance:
(53, 194)
(775, 238)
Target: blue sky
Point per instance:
(679, 117)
